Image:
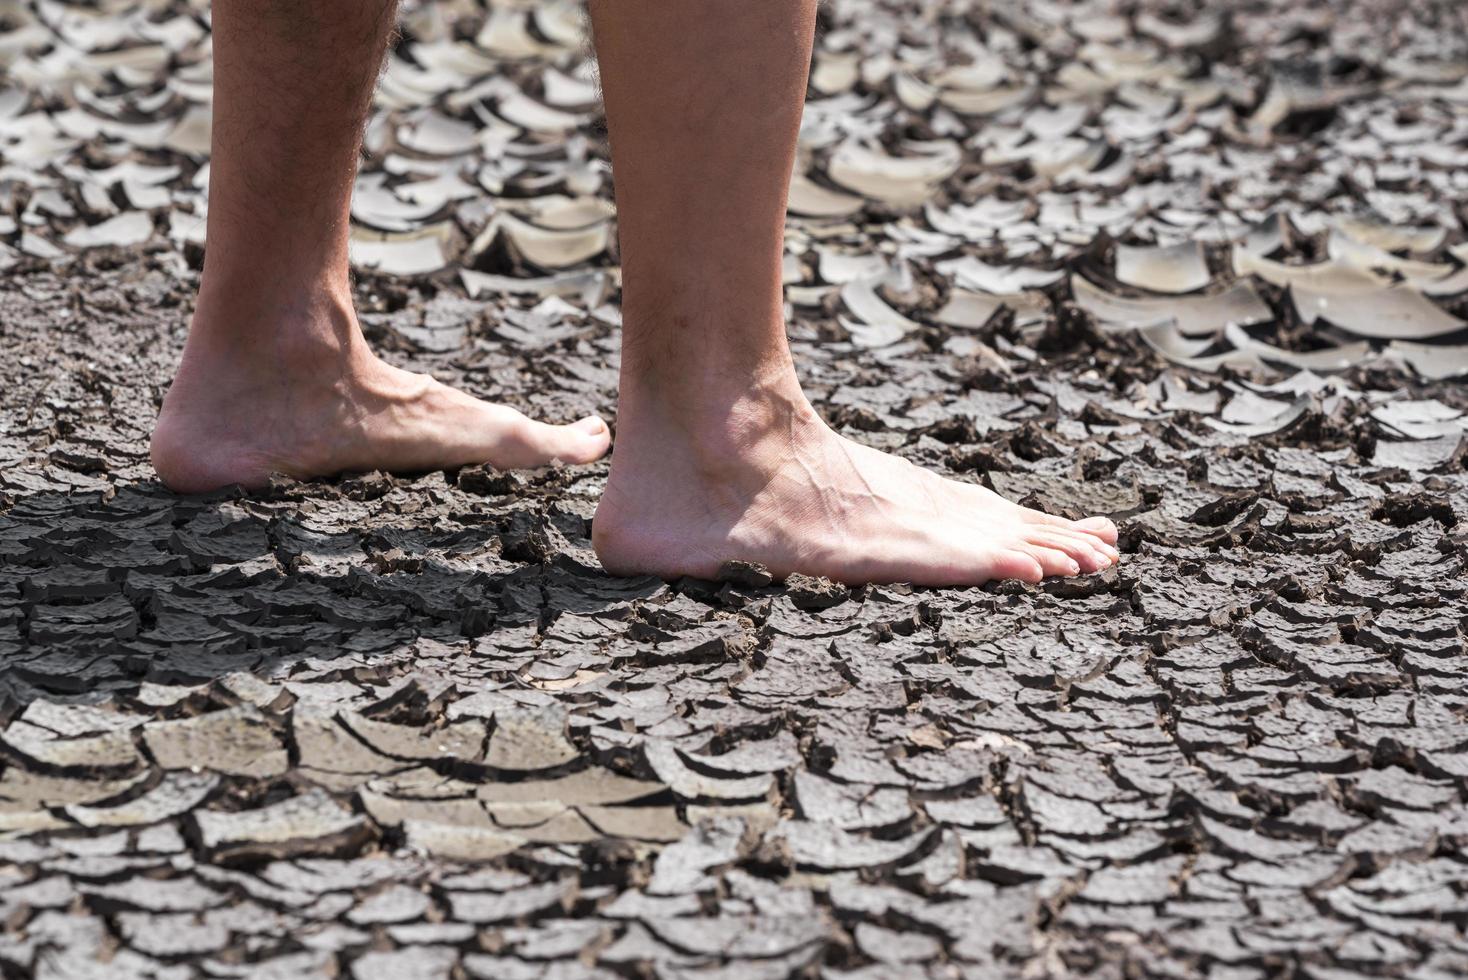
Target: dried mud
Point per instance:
(403, 727)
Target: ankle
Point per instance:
(706, 387)
(292, 331)
(717, 435)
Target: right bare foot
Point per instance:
(301, 395)
(765, 480)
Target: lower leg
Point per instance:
(719, 454)
(276, 376)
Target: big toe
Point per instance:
(1101, 527)
(541, 444)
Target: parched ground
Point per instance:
(1200, 272)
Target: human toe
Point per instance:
(529, 443)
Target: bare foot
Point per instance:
(303, 396)
(773, 484)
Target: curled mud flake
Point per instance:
(128, 228)
(1163, 268)
(692, 863)
(745, 573)
(543, 823)
(463, 740)
(649, 823)
(898, 180)
(330, 755)
(389, 811)
(775, 754)
(236, 741)
(40, 750)
(181, 935)
(457, 843)
(809, 593)
(485, 908)
(1194, 316)
(594, 786)
(308, 824)
(850, 807)
(739, 936)
(826, 847)
(413, 962)
(689, 784)
(1390, 313)
(399, 253)
(177, 794)
(527, 741)
(892, 947)
(547, 248)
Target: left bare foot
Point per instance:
(763, 479)
(308, 398)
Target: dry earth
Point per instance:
(1199, 271)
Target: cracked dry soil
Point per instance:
(405, 727)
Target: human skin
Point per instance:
(276, 376)
(719, 453)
